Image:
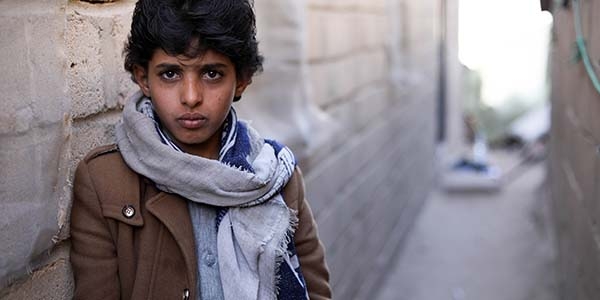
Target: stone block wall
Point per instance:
(350, 86)
(63, 90)
(575, 153)
(367, 189)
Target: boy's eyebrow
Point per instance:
(167, 66)
(216, 65)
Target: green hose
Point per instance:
(581, 46)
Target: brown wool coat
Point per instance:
(151, 254)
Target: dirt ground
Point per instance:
(481, 246)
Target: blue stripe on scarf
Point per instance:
(291, 284)
(277, 147)
(238, 154)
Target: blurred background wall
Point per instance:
(575, 152)
(362, 91)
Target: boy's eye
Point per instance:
(169, 75)
(212, 75)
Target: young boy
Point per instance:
(191, 202)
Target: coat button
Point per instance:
(128, 211)
(209, 258)
(186, 294)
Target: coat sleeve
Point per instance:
(93, 254)
(311, 252)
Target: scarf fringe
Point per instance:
(283, 250)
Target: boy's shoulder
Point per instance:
(101, 151)
(106, 160)
(293, 192)
(114, 185)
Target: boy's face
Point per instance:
(192, 97)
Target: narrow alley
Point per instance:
(481, 246)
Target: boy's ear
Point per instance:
(241, 86)
(141, 78)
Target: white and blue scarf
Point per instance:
(254, 236)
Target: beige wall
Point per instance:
(575, 156)
(349, 85)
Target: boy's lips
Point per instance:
(192, 120)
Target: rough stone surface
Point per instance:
(51, 282)
(30, 202)
(32, 132)
(95, 40)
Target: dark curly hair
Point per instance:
(190, 27)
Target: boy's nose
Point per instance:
(192, 92)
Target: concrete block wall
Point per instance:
(368, 188)
(364, 137)
(32, 131)
(63, 89)
(575, 155)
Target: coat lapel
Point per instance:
(173, 212)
